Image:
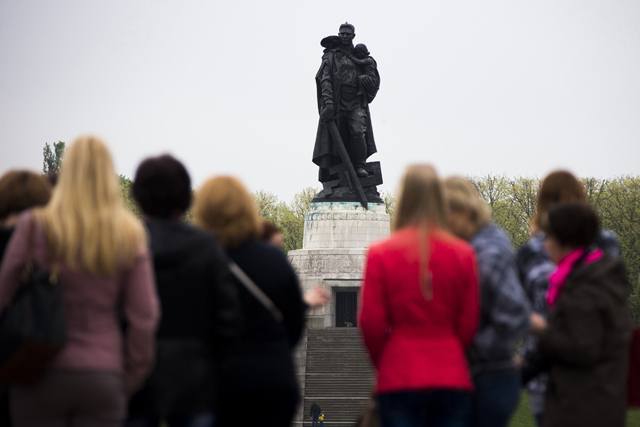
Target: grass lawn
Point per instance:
(523, 417)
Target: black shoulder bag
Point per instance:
(32, 328)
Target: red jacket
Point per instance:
(417, 344)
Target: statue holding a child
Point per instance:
(347, 82)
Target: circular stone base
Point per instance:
(344, 225)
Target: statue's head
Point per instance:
(360, 51)
(346, 33)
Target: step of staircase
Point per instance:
(339, 376)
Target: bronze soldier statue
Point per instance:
(346, 82)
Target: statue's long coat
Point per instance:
(325, 154)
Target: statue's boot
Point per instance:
(359, 159)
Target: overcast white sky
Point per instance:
(474, 87)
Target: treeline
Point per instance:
(617, 201)
(512, 200)
(513, 203)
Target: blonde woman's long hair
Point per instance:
(421, 203)
(224, 207)
(421, 200)
(85, 219)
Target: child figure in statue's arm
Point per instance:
(361, 57)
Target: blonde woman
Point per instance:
(420, 310)
(259, 372)
(504, 318)
(104, 270)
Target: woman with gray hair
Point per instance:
(504, 317)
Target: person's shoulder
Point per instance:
(257, 255)
(171, 235)
(492, 241)
(19, 231)
(261, 251)
(602, 269)
(397, 240)
(26, 220)
(532, 250)
(609, 243)
(602, 279)
(444, 240)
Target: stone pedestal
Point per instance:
(336, 237)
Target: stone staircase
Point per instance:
(339, 376)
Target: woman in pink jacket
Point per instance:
(420, 309)
(105, 274)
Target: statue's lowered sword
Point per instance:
(337, 140)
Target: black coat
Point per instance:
(587, 343)
(259, 373)
(200, 318)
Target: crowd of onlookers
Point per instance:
(444, 347)
(194, 324)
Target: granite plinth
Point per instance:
(344, 225)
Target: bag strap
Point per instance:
(255, 291)
(29, 264)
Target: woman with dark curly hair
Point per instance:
(586, 340)
(535, 266)
(19, 190)
(200, 309)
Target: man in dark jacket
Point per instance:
(315, 413)
(200, 307)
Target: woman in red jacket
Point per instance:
(420, 309)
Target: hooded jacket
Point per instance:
(587, 342)
(504, 315)
(200, 318)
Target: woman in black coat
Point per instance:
(587, 336)
(200, 308)
(259, 384)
